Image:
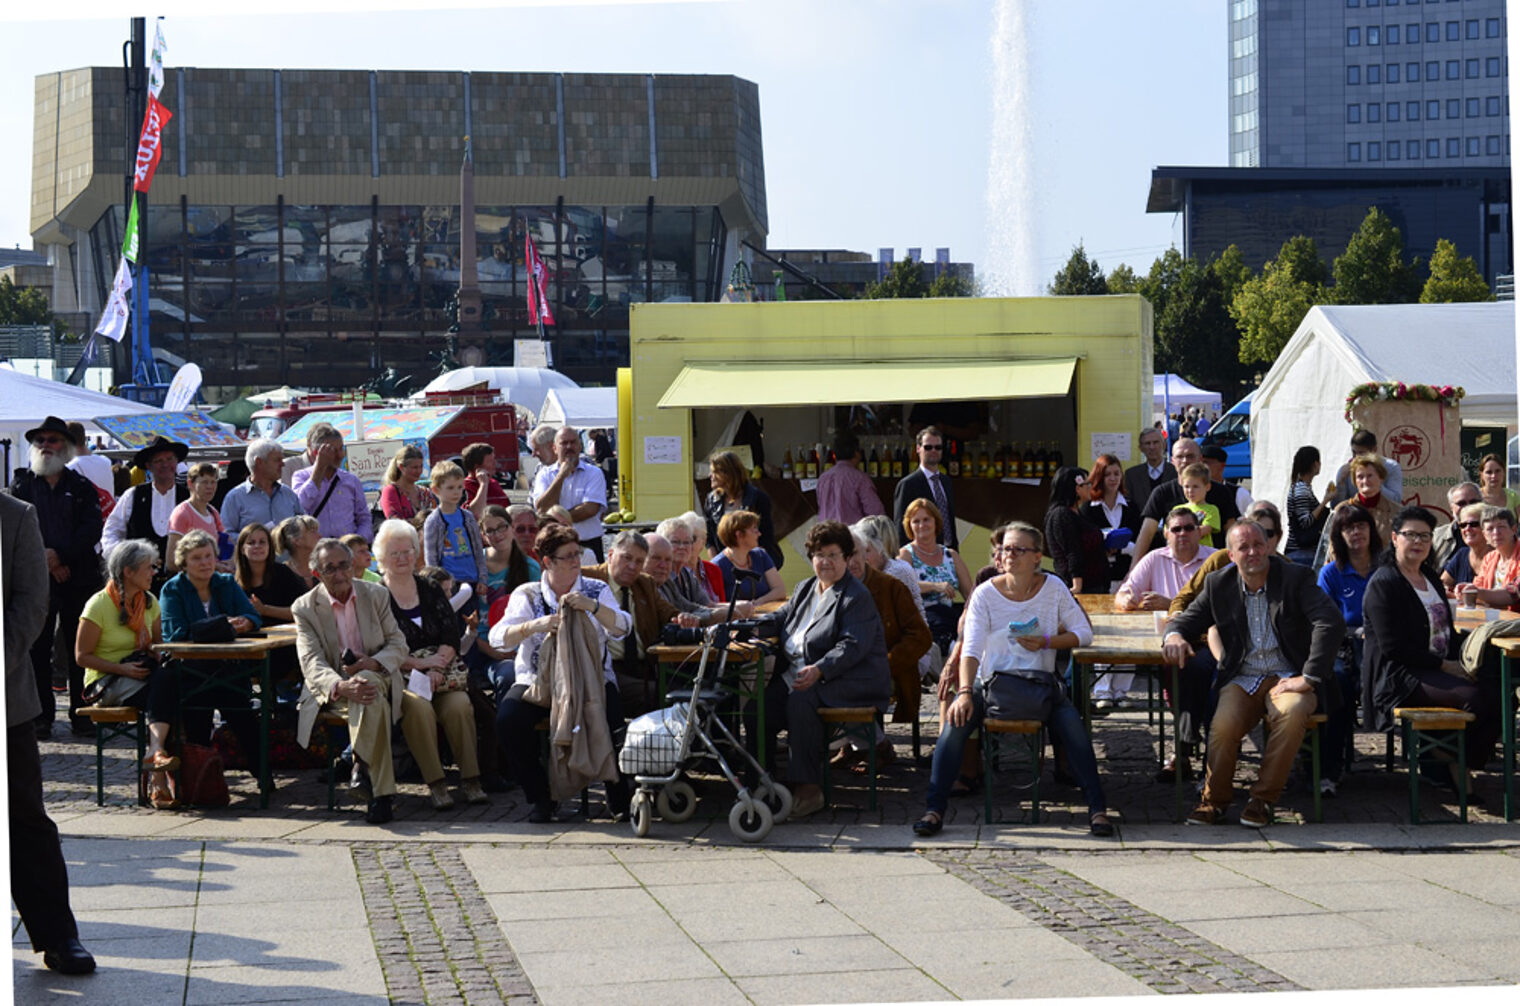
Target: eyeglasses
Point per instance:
(681, 542)
(1020, 551)
(496, 531)
(574, 557)
(932, 447)
(1466, 525)
(333, 568)
(1415, 536)
(832, 556)
(1182, 529)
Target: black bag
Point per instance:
(1021, 695)
(216, 629)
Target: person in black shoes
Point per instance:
(39, 878)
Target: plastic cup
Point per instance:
(1470, 597)
(1160, 620)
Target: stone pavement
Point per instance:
(296, 903)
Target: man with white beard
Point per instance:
(68, 511)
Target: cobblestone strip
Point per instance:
(437, 939)
(1148, 948)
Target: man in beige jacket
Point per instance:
(351, 649)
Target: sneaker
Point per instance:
(1258, 813)
(472, 792)
(1206, 813)
(1124, 703)
(438, 793)
(1327, 787)
(1103, 704)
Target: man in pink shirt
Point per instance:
(845, 493)
(1160, 575)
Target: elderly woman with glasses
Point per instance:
(1465, 562)
(1498, 580)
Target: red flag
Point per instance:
(538, 285)
(150, 146)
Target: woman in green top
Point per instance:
(119, 623)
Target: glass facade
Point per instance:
(326, 295)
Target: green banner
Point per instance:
(129, 244)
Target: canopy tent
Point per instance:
(1302, 399)
(1171, 391)
(239, 412)
(583, 408)
(524, 386)
(25, 401)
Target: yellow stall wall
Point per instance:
(1110, 337)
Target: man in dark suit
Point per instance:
(1280, 634)
(39, 878)
(1141, 479)
(927, 482)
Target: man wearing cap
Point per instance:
(68, 510)
(1215, 457)
(143, 511)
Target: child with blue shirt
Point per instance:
(451, 536)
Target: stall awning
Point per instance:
(718, 385)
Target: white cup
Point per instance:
(1160, 620)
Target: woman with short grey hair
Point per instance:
(113, 643)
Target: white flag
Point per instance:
(113, 320)
(156, 65)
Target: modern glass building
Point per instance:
(304, 225)
(1368, 83)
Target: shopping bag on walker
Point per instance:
(652, 743)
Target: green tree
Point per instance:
(1195, 334)
(1232, 271)
(1080, 275)
(1157, 285)
(1454, 279)
(22, 305)
(1123, 280)
(1268, 308)
(952, 284)
(909, 280)
(1372, 269)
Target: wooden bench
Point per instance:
(857, 723)
(1432, 730)
(112, 722)
(995, 733)
(336, 725)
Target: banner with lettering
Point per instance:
(150, 147)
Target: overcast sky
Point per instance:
(876, 114)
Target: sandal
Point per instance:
(966, 786)
(1101, 826)
(161, 794)
(928, 825)
(163, 761)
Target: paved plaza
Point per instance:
(297, 903)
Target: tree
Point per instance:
(1157, 285)
(1080, 275)
(952, 284)
(1268, 308)
(909, 280)
(1454, 279)
(22, 305)
(1372, 269)
(1195, 334)
(1123, 280)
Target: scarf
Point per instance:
(134, 612)
(1370, 502)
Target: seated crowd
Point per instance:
(482, 627)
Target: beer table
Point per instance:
(1465, 620)
(195, 680)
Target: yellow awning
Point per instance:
(832, 382)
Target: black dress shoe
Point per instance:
(380, 810)
(542, 813)
(44, 731)
(82, 727)
(69, 958)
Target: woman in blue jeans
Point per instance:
(1354, 547)
(1019, 619)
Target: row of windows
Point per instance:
(1377, 34)
(1477, 146)
(1394, 3)
(1474, 107)
(1456, 69)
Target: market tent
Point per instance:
(583, 408)
(239, 412)
(1169, 389)
(26, 401)
(1302, 399)
(524, 386)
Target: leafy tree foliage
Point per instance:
(1268, 308)
(952, 284)
(1123, 280)
(1454, 279)
(909, 279)
(22, 305)
(1195, 333)
(1372, 269)
(1080, 275)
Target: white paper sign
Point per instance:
(420, 685)
(1116, 444)
(662, 450)
(807, 485)
(368, 459)
(530, 353)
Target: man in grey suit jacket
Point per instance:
(351, 649)
(1140, 480)
(1280, 634)
(39, 878)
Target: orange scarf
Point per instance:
(136, 611)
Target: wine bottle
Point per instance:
(812, 463)
(953, 469)
(873, 464)
(1041, 458)
(786, 464)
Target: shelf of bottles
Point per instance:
(891, 458)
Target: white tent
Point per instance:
(1302, 399)
(1169, 389)
(583, 408)
(524, 386)
(25, 401)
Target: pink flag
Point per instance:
(538, 285)
(150, 146)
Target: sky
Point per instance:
(876, 116)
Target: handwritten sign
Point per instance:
(368, 459)
(662, 450)
(1116, 444)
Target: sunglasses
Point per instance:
(1468, 524)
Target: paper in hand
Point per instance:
(420, 685)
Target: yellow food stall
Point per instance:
(1018, 384)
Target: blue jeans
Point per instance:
(1066, 730)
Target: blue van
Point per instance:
(1232, 431)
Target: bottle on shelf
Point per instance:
(900, 463)
(833, 460)
(953, 466)
(1026, 463)
(873, 464)
(1041, 458)
(984, 462)
(786, 465)
(999, 462)
(1056, 458)
(812, 463)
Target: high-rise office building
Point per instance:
(1368, 83)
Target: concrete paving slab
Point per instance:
(133, 922)
(731, 920)
(810, 833)
(664, 852)
(803, 955)
(900, 836)
(1299, 874)
(1034, 978)
(221, 829)
(316, 950)
(726, 871)
(897, 985)
(560, 878)
(545, 935)
(1380, 967)
(274, 983)
(837, 865)
(593, 965)
(132, 889)
(947, 952)
(1493, 879)
(631, 904)
(105, 851)
(1182, 837)
(1249, 936)
(1128, 875)
(1041, 837)
(1499, 955)
(1187, 907)
(262, 918)
(686, 992)
(955, 902)
(608, 833)
(134, 985)
(490, 863)
(1459, 917)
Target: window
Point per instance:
(1474, 146)
(1391, 35)
(1412, 111)
(1374, 112)
(1353, 36)
(1374, 151)
(1492, 105)
(1412, 72)
(1353, 151)
(1432, 70)
(1491, 27)
(1432, 31)
(1472, 68)
(1472, 28)
(1432, 149)
(1394, 149)
(1353, 113)
(1453, 146)
(1492, 66)
(1374, 35)
(1353, 74)
(1412, 33)
(1374, 73)
(1412, 148)
(1432, 109)
(1454, 108)
(1491, 146)
(1353, 3)
(1453, 69)
(1393, 111)
(1392, 75)
(1474, 108)
(1454, 31)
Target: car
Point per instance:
(1232, 431)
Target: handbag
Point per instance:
(456, 676)
(201, 779)
(1020, 695)
(97, 689)
(216, 629)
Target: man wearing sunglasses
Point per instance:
(928, 482)
(1446, 541)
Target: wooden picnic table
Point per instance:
(1466, 620)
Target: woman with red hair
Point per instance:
(1114, 515)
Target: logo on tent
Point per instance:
(1408, 445)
